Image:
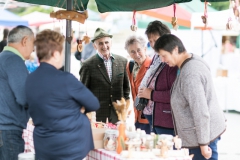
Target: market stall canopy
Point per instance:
(191, 6)
(166, 14)
(42, 18)
(117, 5)
(9, 19)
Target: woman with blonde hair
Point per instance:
(55, 99)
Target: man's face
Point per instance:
(103, 45)
(29, 48)
(152, 38)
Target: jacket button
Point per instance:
(109, 104)
(110, 95)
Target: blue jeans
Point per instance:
(159, 130)
(11, 144)
(199, 156)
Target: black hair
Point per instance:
(157, 27)
(168, 42)
(5, 33)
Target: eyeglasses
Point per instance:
(135, 52)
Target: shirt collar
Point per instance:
(101, 56)
(11, 49)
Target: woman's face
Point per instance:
(167, 57)
(137, 52)
(152, 38)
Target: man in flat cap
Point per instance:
(105, 75)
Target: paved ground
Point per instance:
(229, 145)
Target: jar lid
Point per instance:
(111, 131)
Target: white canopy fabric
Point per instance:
(216, 20)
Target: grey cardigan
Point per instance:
(198, 119)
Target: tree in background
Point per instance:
(220, 5)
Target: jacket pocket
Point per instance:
(120, 75)
(189, 129)
(167, 111)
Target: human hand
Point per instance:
(145, 93)
(82, 109)
(206, 151)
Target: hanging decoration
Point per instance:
(134, 26)
(70, 14)
(229, 25)
(236, 10)
(205, 16)
(174, 18)
(85, 39)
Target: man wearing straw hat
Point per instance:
(105, 75)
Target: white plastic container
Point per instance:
(26, 156)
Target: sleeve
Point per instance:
(126, 85)
(193, 91)
(78, 55)
(17, 75)
(82, 94)
(164, 96)
(155, 62)
(85, 77)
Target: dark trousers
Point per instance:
(199, 156)
(142, 126)
(159, 130)
(11, 144)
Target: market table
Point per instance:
(102, 154)
(97, 154)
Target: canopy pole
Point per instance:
(68, 41)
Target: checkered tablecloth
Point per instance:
(97, 154)
(102, 154)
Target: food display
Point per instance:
(130, 142)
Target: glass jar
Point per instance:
(110, 139)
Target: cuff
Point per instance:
(151, 98)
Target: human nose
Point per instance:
(104, 45)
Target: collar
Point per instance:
(11, 49)
(101, 56)
(147, 62)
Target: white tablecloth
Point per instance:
(102, 154)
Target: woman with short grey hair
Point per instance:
(136, 48)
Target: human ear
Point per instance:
(56, 55)
(94, 45)
(175, 50)
(24, 41)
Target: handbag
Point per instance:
(141, 103)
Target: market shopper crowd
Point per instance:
(177, 84)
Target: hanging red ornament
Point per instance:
(229, 24)
(134, 26)
(235, 8)
(174, 18)
(205, 16)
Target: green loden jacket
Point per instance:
(94, 75)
